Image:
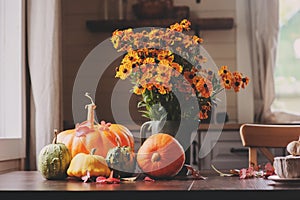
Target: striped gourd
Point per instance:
(54, 160)
(121, 160)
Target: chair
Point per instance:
(264, 136)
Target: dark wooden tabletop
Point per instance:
(31, 181)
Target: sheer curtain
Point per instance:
(44, 62)
(264, 23)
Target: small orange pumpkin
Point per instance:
(161, 156)
(88, 135)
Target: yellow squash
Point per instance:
(82, 162)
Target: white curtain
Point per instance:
(264, 19)
(264, 23)
(43, 35)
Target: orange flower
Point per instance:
(116, 41)
(154, 34)
(196, 79)
(204, 87)
(187, 42)
(165, 55)
(163, 74)
(185, 87)
(197, 39)
(126, 38)
(131, 57)
(177, 68)
(245, 82)
(223, 71)
(139, 90)
(189, 75)
(185, 24)
(236, 81)
(123, 71)
(150, 86)
(117, 33)
(176, 27)
(162, 89)
(148, 60)
(146, 68)
(203, 114)
(227, 83)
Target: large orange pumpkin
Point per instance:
(89, 135)
(161, 156)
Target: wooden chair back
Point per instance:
(264, 136)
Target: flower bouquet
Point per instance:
(166, 69)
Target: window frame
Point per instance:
(15, 148)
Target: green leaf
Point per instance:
(141, 104)
(146, 116)
(144, 111)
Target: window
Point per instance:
(287, 71)
(12, 80)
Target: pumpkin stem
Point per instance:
(55, 136)
(155, 157)
(93, 151)
(91, 107)
(88, 96)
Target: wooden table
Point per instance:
(31, 184)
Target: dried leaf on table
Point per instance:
(148, 179)
(251, 172)
(221, 173)
(269, 170)
(195, 173)
(247, 173)
(109, 180)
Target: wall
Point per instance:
(220, 44)
(11, 165)
(78, 42)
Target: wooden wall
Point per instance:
(220, 44)
(78, 42)
(11, 165)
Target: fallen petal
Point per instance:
(147, 178)
(103, 181)
(100, 178)
(87, 177)
(113, 180)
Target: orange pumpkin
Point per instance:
(89, 135)
(161, 156)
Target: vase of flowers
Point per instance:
(168, 73)
(166, 69)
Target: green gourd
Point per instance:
(54, 160)
(121, 160)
